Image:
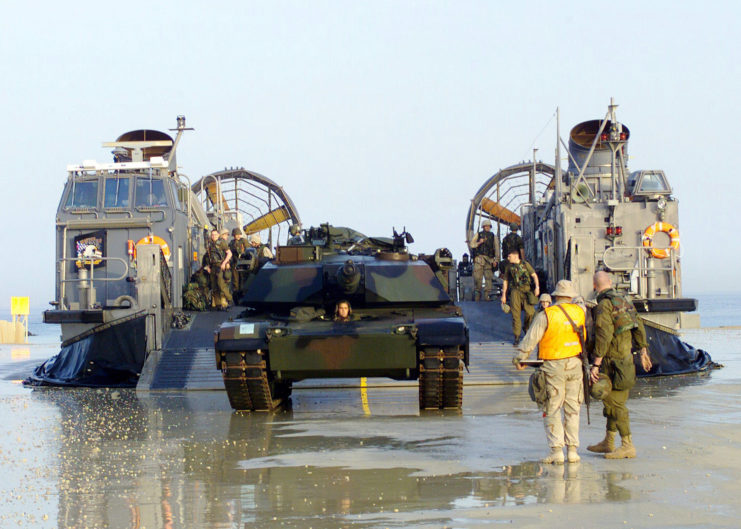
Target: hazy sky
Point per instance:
(372, 114)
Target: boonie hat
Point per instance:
(224, 232)
(255, 238)
(505, 308)
(545, 297)
(565, 289)
(487, 222)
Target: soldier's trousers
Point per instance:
(483, 268)
(235, 280)
(563, 380)
(616, 412)
(220, 295)
(518, 303)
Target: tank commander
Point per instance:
(485, 249)
(521, 298)
(616, 327)
(263, 252)
(219, 256)
(343, 311)
(238, 245)
(465, 267)
(296, 237)
(560, 348)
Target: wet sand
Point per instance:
(338, 458)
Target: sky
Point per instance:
(370, 114)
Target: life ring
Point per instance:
(671, 231)
(153, 239)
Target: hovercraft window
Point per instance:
(116, 193)
(83, 195)
(150, 193)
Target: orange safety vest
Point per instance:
(559, 339)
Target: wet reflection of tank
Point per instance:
(402, 323)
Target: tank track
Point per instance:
(247, 383)
(440, 378)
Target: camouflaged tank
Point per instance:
(403, 323)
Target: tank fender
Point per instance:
(451, 331)
(242, 336)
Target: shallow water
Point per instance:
(112, 458)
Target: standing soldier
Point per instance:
(616, 326)
(517, 284)
(512, 241)
(554, 331)
(485, 249)
(237, 245)
(219, 256)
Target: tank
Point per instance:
(402, 322)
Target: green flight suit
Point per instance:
(615, 345)
(220, 294)
(518, 286)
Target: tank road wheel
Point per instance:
(246, 381)
(440, 378)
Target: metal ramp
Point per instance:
(186, 362)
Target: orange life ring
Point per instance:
(671, 231)
(153, 239)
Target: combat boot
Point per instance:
(571, 454)
(605, 446)
(626, 450)
(555, 457)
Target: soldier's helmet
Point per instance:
(601, 388)
(487, 222)
(224, 232)
(236, 231)
(293, 230)
(514, 226)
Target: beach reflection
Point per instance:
(182, 461)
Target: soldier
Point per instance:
(219, 256)
(560, 348)
(465, 267)
(343, 311)
(511, 241)
(517, 276)
(545, 301)
(616, 327)
(296, 237)
(263, 252)
(485, 248)
(238, 245)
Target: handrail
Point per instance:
(646, 270)
(638, 268)
(90, 260)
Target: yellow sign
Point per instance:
(19, 306)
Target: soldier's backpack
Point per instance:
(193, 298)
